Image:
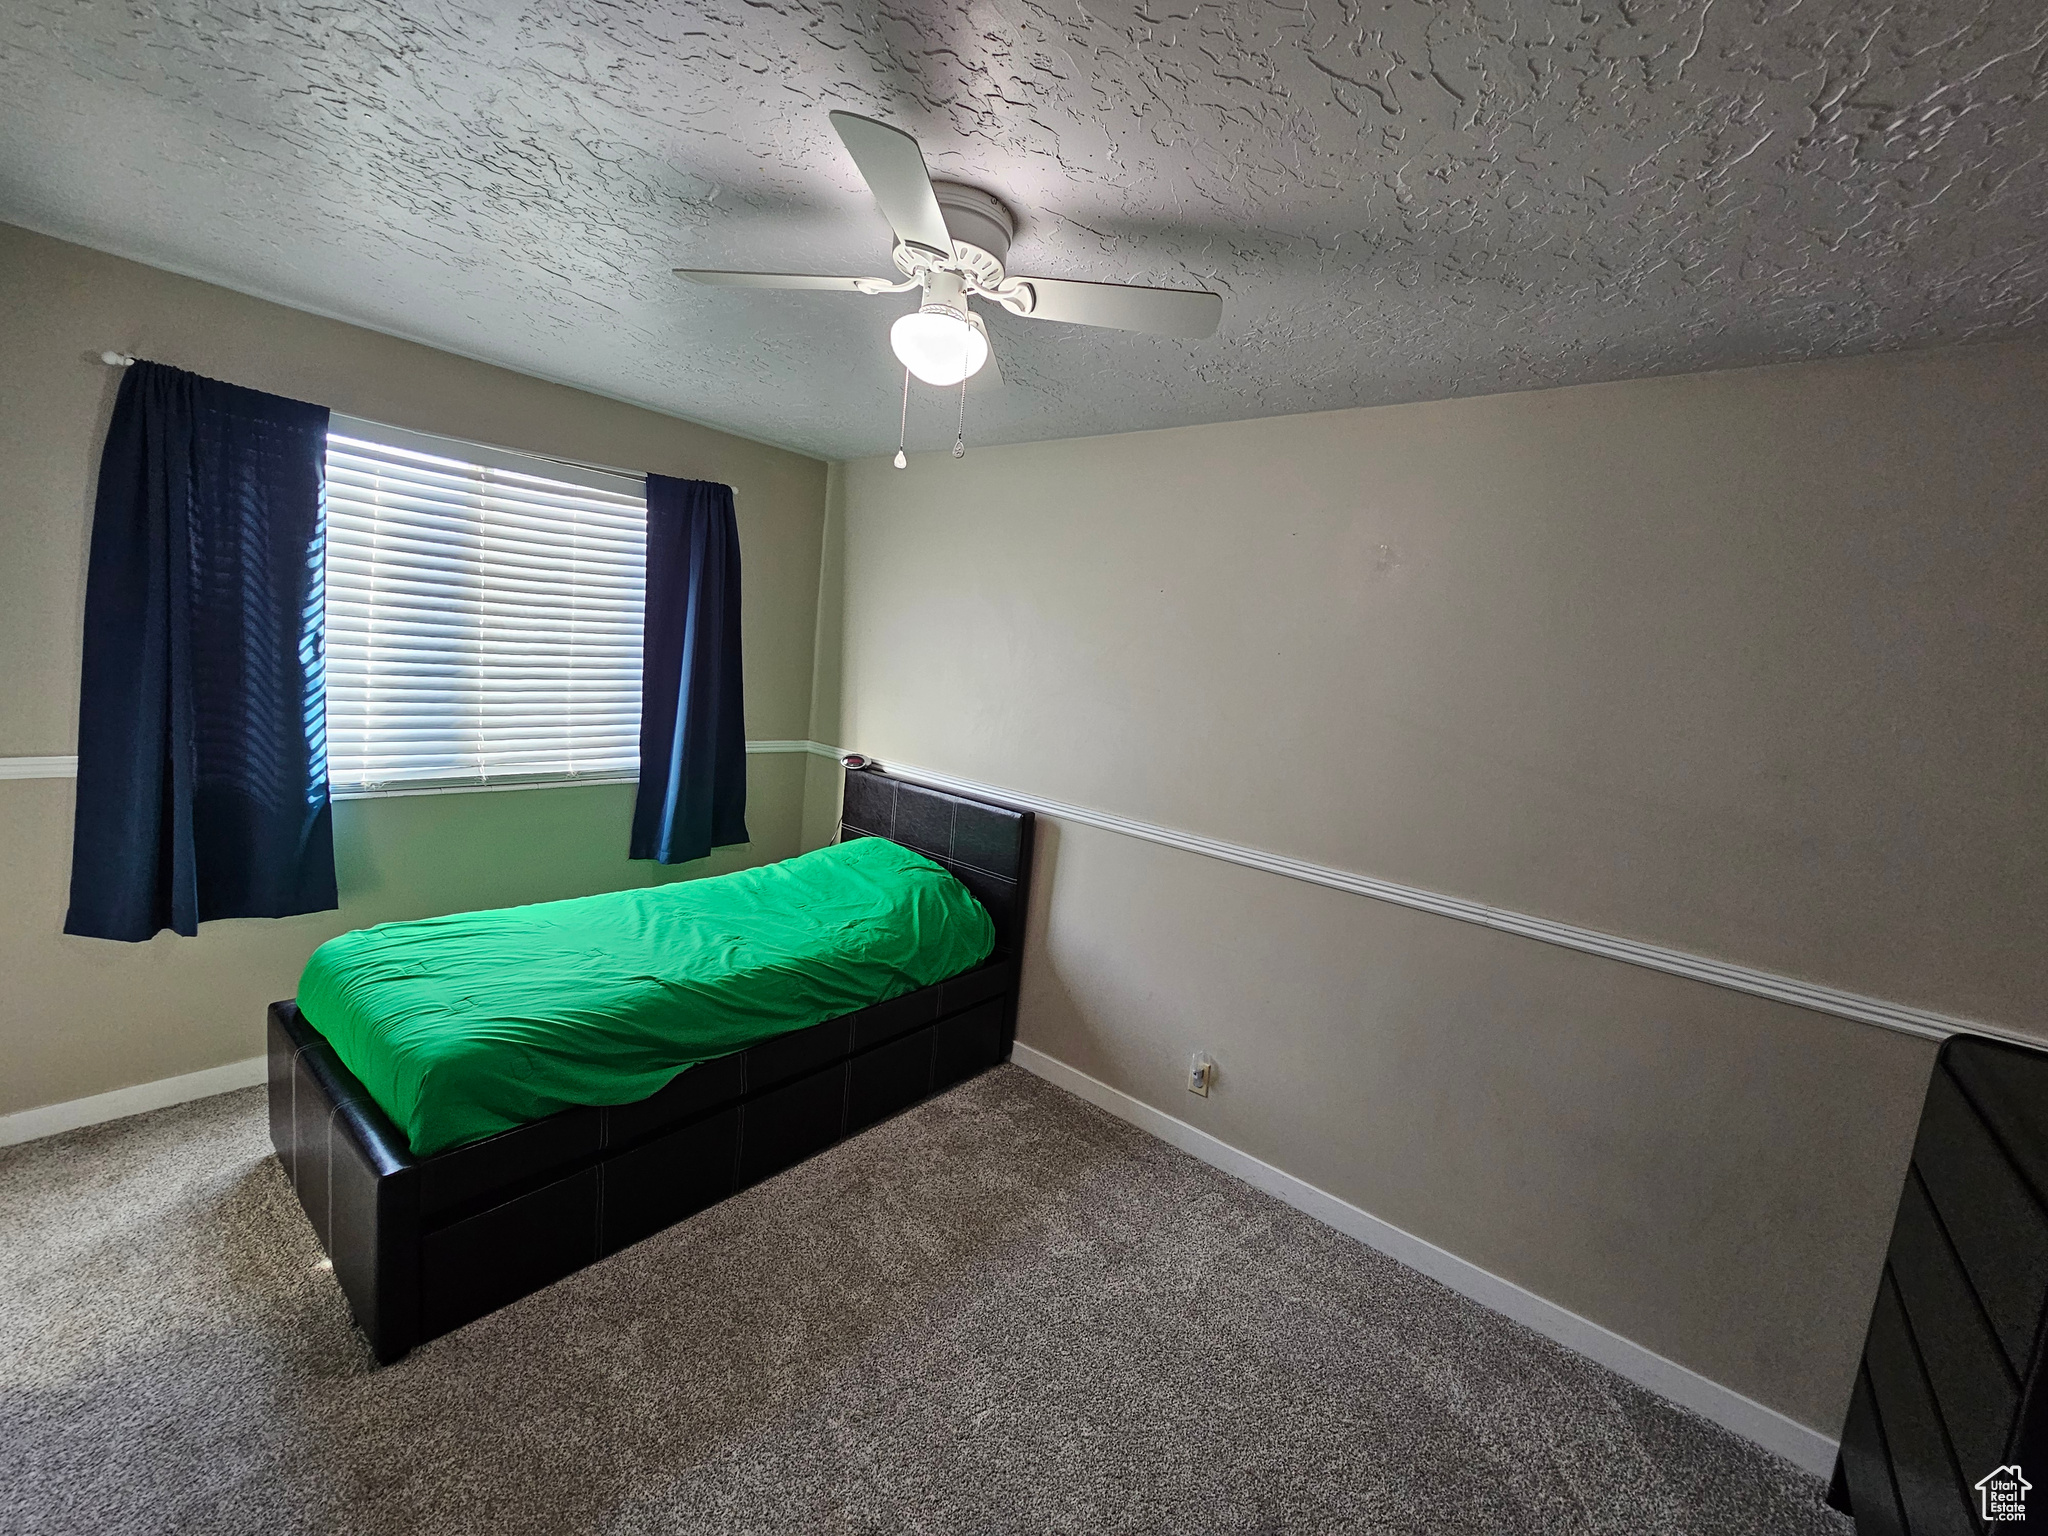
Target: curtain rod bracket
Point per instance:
(117, 359)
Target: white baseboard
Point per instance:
(1804, 1447)
(49, 1119)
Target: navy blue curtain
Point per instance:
(202, 771)
(693, 734)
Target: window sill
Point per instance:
(475, 786)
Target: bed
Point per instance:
(422, 1244)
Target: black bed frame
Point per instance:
(422, 1245)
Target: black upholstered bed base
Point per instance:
(421, 1246)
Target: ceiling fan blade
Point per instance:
(988, 378)
(893, 167)
(773, 280)
(1125, 307)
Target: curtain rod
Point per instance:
(127, 360)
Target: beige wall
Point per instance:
(1748, 664)
(80, 1016)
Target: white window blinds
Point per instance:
(483, 620)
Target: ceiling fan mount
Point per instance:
(953, 243)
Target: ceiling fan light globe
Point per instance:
(939, 345)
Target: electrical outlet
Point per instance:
(1201, 1074)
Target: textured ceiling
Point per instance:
(1398, 200)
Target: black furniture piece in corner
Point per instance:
(423, 1245)
(1948, 1425)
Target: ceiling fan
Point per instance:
(951, 242)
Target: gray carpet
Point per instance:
(1004, 1311)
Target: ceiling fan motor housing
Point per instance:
(976, 218)
(981, 227)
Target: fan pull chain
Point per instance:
(902, 426)
(960, 434)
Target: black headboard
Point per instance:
(986, 846)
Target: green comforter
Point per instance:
(467, 1025)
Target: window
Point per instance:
(483, 614)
